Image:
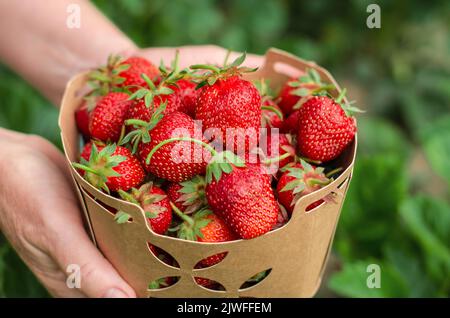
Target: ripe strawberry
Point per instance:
(178, 161)
(82, 120)
(228, 101)
(205, 226)
(297, 181)
(290, 125)
(119, 73)
(138, 66)
(298, 90)
(108, 117)
(154, 202)
(188, 196)
(186, 92)
(325, 129)
(244, 199)
(278, 147)
(110, 167)
(271, 116)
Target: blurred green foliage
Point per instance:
(397, 213)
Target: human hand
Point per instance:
(40, 217)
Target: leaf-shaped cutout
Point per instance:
(314, 205)
(162, 255)
(256, 279)
(211, 260)
(209, 284)
(163, 282)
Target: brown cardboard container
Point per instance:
(296, 253)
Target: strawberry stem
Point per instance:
(334, 171)
(181, 215)
(276, 159)
(205, 67)
(273, 109)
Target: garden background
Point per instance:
(397, 213)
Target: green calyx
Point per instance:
(100, 166)
(263, 87)
(221, 162)
(141, 131)
(149, 93)
(191, 227)
(172, 75)
(306, 180)
(212, 73)
(348, 107)
(193, 194)
(145, 199)
(106, 79)
(308, 85)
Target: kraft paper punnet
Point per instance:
(296, 253)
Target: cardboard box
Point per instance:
(296, 254)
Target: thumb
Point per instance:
(97, 277)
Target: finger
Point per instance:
(98, 278)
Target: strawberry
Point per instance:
(153, 201)
(108, 117)
(229, 102)
(137, 67)
(241, 195)
(174, 161)
(290, 125)
(298, 90)
(244, 199)
(299, 180)
(82, 120)
(188, 196)
(204, 226)
(110, 167)
(325, 130)
(119, 73)
(186, 92)
(279, 147)
(271, 115)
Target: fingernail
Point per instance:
(115, 293)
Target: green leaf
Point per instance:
(428, 220)
(238, 61)
(121, 217)
(436, 142)
(351, 281)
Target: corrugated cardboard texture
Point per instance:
(296, 253)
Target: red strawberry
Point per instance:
(244, 199)
(230, 102)
(290, 125)
(119, 73)
(173, 161)
(110, 168)
(108, 117)
(188, 96)
(297, 181)
(137, 67)
(325, 129)
(188, 196)
(298, 90)
(271, 116)
(277, 147)
(205, 226)
(154, 202)
(82, 120)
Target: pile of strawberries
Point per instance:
(160, 138)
